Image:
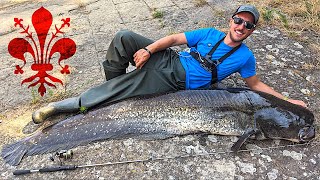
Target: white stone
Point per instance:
(273, 174)
(128, 142)
(308, 78)
(186, 169)
(276, 72)
(4, 174)
(280, 46)
(298, 45)
(278, 63)
(268, 158)
(313, 161)
(269, 47)
(270, 57)
(297, 53)
(212, 138)
(262, 165)
(305, 91)
(217, 156)
(188, 138)
(188, 149)
(256, 32)
(292, 178)
(293, 154)
(291, 73)
(254, 148)
(234, 139)
(285, 94)
(246, 167)
(272, 35)
(238, 177)
(199, 149)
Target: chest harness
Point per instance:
(211, 65)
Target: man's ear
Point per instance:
(230, 22)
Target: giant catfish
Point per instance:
(223, 112)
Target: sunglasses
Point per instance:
(248, 25)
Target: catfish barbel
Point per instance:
(222, 112)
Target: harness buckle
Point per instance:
(205, 61)
(203, 65)
(207, 57)
(216, 62)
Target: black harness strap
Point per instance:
(211, 65)
(214, 48)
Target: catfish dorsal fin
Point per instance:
(237, 145)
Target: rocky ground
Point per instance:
(288, 65)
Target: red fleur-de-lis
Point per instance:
(66, 47)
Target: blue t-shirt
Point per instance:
(202, 41)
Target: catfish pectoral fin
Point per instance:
(237, 145)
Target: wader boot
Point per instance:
(67, 105)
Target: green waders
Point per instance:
(163, 72)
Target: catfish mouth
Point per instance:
(307, 133)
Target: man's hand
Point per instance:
(298, 102)
(255, 84)
(141, 57)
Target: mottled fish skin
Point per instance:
(223, 112)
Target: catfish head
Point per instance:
(293, 123)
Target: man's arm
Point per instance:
(141, 56)
(254, 83)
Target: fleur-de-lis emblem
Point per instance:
(42, 53)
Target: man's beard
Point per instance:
(237, 40)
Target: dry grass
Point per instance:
(200, 3)
(293, 17)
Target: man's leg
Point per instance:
(120, 52)
(163, 72)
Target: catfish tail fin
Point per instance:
(13, 153)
